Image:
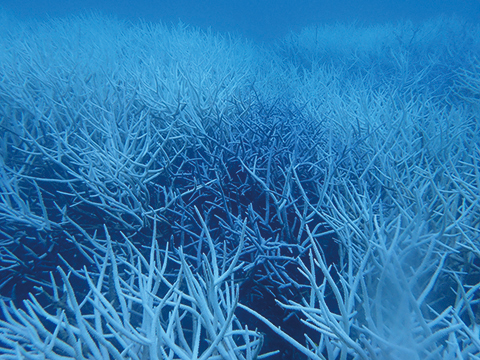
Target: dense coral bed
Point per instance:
(176, 194)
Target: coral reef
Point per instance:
(168, 193)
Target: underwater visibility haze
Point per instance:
(239, 180)
(264, 20)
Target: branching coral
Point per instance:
(162, 189)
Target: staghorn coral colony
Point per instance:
(170, 193)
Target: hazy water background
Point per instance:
(262, 20)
